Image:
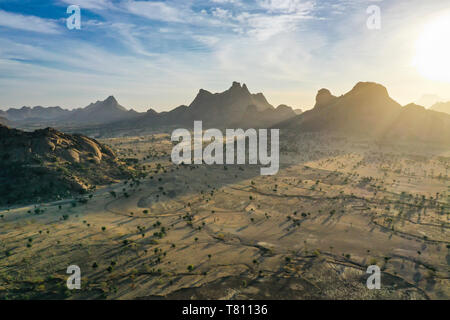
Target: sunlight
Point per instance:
(433, 50)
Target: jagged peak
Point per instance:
(151, 111)
(203, 92)
(111, 99)
(324, 97)
(235, 85)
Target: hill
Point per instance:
(415, 123)
(48, 164)
(38, 113)
(368, 110)
(235, 107)
(441, 107)
(100, 112)
(427, 100)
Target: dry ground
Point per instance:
(224, 232)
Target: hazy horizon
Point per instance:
(159, 109)
(151, 54)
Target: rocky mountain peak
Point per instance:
(324, 97)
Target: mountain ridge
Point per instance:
(108, 110)
(441, 107)
(368, 110)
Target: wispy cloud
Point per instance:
(161, 11)
(90, 4)
(28, 23)
(287, 6)
(158, 53)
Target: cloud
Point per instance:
(160, 52)
(28, 23)
(287, 6)
(221, 13)
(229, 2)
(90, 4)
(263, 27)
(160, 11)
(176, 12)
(206, 40)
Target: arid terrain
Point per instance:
(226, 232)
(225, 150)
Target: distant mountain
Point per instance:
(368, 110)
(415, 123)
(427, 100)
(47, 164)
(252, 118)
(235, 107)
(100, 112)
(37, 113)
(441, 107)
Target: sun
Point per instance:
(432, 58)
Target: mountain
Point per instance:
(235, 107)
(298, 111)
(427, 100)
(415, 123)
(441, 107)
(48, 164)
(100, 112)
(253, 118)
(37, 113)
(368, 110)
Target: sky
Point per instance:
(158, 54)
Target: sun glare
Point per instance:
(432, 57)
